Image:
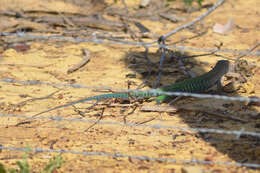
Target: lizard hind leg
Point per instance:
(161, 99)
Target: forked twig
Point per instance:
(101, 116)
(162, 39)
(220, 2)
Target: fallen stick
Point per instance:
(84, 61)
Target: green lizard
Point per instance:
(193, 85)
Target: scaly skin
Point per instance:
(193, 85)
(199, 83)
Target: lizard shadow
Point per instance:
(244, 148)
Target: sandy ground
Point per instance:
(111, 65)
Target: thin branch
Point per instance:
(158, 108)
(161, 41)
(139, 157)
(220, 2)
(84, 61)
(245, 53)
(34, 99)
(153, 126)
(28, 37)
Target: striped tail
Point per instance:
(98, 97)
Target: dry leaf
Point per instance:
(224, 29)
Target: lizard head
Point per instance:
(223, 64)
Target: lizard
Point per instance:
(192, 85)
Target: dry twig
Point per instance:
(85, 60)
